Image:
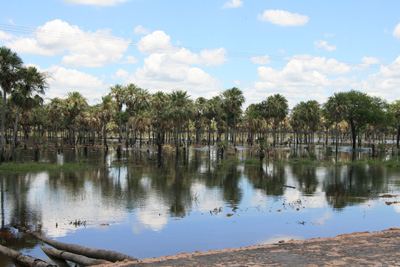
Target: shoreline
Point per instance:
(380, 248)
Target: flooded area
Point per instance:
(197, 202)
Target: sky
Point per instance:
(304, 50)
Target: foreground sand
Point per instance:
(357, 249)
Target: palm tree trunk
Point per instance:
(120, 128)
(105, 134)
(14, 135)
(226, 130)
(127, 133)
(234, 130)
(3, 118)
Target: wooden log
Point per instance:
(64, 255)
(107, 255)
(23, 260)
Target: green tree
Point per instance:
(275, 108)
(10, 65)
(232, 101)
(74, 105)
(118, 93)
(395, 110)
(106, 111)
(180, 110)
(26, 95)
(336, 109)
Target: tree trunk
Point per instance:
(14, 135)
(20, 259)
(79, 259)
(81, 250)
(3, 119)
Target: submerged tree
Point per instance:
(10, 65)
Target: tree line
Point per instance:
(128, 112)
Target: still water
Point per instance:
(197, 202)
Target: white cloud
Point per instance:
(68, 80)
(141, 30)
(130, 60)
(11, 21)
(214, 57)
(283, 18)
(233, 4)
(81, 48)
(5, 36)
(121, 74)
(155, 42)
(385, 83)
(261, 60)
(370, 60)
(95, 2)
(303, 78)
(168, 67)
(396, 31)
(324, 45)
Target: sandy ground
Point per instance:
(356, 249)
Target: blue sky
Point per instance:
(304, 50)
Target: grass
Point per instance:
(44, 166)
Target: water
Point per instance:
(199, 202)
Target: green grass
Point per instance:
(42, 166)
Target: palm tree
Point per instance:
(337, 107)
(106, 111)
(232, 101)
(10, 65)
(27, 94)
(74, 105)
(395, 109)
(55, 108)
(118, 93)
(136, 100)
(275, 108)
(180, 109)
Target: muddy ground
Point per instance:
(356, 249)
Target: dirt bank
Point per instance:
(369, 249)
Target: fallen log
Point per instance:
(107, 255)
(23, 260)
(68, 256)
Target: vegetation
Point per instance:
(174, 118)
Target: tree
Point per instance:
(118, 93)
(336, 108)
(395, 110)
(10, 65)
(361, 110)
(232, 101)
(180, 110)
(136, 100)
(106, 111)
(275, 108)
(74, 105)
(26, 95)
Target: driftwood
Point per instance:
(107, 255)
(23, 260)
(64, 255)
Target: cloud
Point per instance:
(233, 4)
(303, 78)
(283, 18)
(141, 30)
(95, 2)
(156, 42)
(80, 49)
(396, 31)
(324, 45)
(68, 80)
(168, 67)
(261, 60)
(130, 60)
(5, 36)
(385, 83)
(370, 60)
